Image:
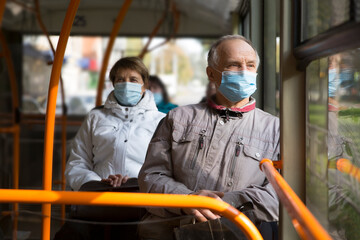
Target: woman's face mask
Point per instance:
(237, 85)
(158, 97)
(127, 93)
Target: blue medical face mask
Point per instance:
(158, 97)
(333, 82)
(127, 93)
(237, 85)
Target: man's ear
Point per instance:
(210, 74)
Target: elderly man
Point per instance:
(213, 149)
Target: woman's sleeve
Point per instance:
(79, 168)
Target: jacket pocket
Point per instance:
(189, 143)
(239, 145)
(200, 146)
(258, 154)
(104, 137)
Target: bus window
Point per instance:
(319, 16)
(333, 92)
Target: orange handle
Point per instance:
(114, 32)
(304, 222)
(133, 199)
(50, 111)
(344, 165)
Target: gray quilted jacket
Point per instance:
(206, 146)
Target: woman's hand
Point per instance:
(115, 180)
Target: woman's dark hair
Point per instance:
(133, 63)
(155, 80)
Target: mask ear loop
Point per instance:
(218, 72)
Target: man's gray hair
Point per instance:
(213, 55)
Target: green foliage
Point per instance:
(351, 112)
(317, 115)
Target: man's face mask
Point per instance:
(127, 93)
(333, 82)
(237, 85)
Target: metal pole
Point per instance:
(133, 200)
(64, 113)
(114, 32)
(304, 222)
(50, 111)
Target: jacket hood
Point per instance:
(147, 102)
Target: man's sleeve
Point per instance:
(79, 168)
(156, 175)
(261, 199)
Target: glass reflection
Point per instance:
(320, 15)
(316, 132)
(343, 145)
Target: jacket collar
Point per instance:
(246, 108)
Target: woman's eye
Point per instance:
(134, 80)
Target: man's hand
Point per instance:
(115, 180)
(203, 215)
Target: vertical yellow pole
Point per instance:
(16, 166)
(15, 121)
(50, 111)
(109, 47)
(64, 114)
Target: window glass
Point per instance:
(333, 169)
(180, 64)
(316, 161)
(320, 15)
(271, 57)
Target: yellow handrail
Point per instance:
(15, 128)
(175, 28)
(50, 111)
(64, 113)
(119, 19)
(154, 31)
(344, 165)
(133, 199)
(304, 222)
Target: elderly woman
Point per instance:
(157, 87)
(112, 142)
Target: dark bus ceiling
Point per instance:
(198, 18)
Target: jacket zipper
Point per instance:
(237, 153)
(200, 146)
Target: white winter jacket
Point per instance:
(112, 140)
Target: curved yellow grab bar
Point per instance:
(304, 222)
(344, 165)
(119, 19)
(50, 110)
(64, 113)
(15, 129)
(133, 199)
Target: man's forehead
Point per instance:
(236, 46)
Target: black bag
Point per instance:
(108, 213)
